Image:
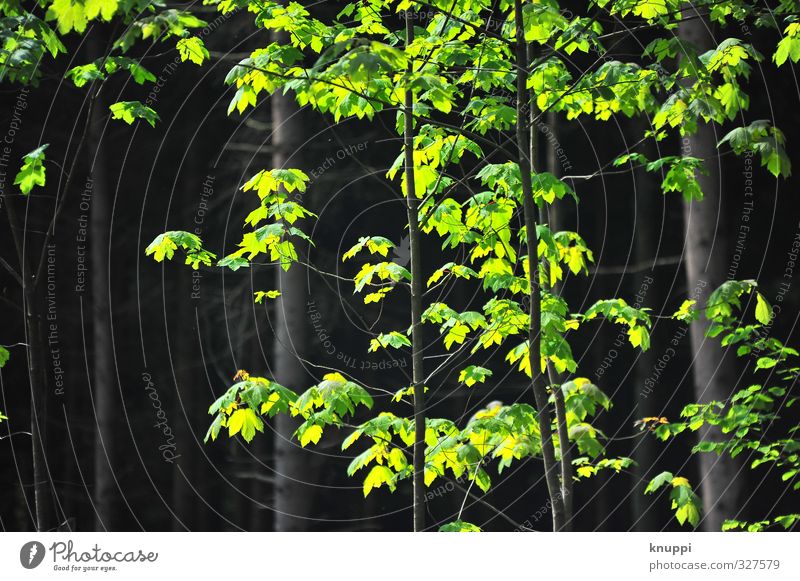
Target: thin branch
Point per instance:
(11, 270)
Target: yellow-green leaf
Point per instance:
(763, 310)
(311, 434)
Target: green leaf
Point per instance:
(585, 436)
(639, 337)
(83, 74)
(393, 339)
(787, 520)
(766, 363)
(658, 482)
(164, 245)
(686, 313)
(705, 446)
(192, 49)
(651, 9)
(374, 244)
(69, 15)
(32, 172)
(685, 502)
(732, 525)
(102, 8)
(483, 480)
(377, 477)
(139, 74)
(311, 434)
(762, 138)
(130, 111)
(246, 421)
(763, 310)
(474, 374)
(349, 440)
(688, 512)
(214, 428)
(4, 355)
(789, 46)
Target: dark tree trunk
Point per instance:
(106, 400)
(417, 372)
(538, 381)
(44, 489)
(44, 492)
(294, 467)
(548, 214)
(706, 246)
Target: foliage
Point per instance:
(354, 67)
(762, 138)
(685, 502)
(458, 63)
(165, 245)
(130, 111)
(192, 49)
(759, 420)
(101, 68)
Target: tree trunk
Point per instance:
(547, 215)
(293, 466)
(44, 493)
(106, 401)
(706, 268)
(417, 372)
(43, 485)
(551, 468)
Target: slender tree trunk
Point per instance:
(551, 468)
(706, 268)
(43, 485)
(546, 213)
(417, 371)
(44, 493)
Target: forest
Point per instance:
(399, 265)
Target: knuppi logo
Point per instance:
(31, 554)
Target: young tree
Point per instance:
(361, 67)
(358, 74)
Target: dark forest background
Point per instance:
(139, 349)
